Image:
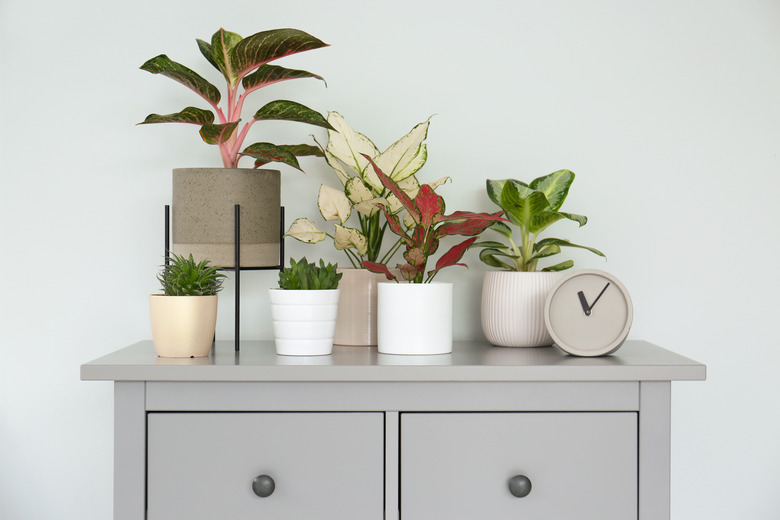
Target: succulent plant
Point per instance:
(303, 275)
(185, 277)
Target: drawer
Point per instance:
(458, 465)
(324, 465)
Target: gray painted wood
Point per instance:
(469, 361)
(443, 396)
(392, 454)
(129, 451)
(582, 466)
(655, 451)
(325, 465)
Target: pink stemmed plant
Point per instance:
(429, 224)
(244, 62)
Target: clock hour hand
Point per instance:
(584, 303)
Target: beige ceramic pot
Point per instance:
(182, 326)
(356, 322)
(513, 307)
(203, 215)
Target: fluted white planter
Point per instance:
(414, 318)
(304, 321)
(513, 307)
(182, 326)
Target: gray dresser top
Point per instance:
(469, 361)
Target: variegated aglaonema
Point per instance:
(425, 224)
(532, 208)
(243, 62)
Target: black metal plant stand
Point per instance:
(237, 256)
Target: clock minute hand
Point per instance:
(597, 297)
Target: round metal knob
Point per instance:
(263, 486)
(520, 486)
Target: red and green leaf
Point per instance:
(162, 64)
(415, 256)
(457, 215)
(391, 185)
(409, 272)
(263, 47)
(270, 74)
(452, 256)
(218, 134)
(192, 115)
(429, 204)
(283, 110)
(267, 152)
(298, 150)
(378, 268)
(468, 227)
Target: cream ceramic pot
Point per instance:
(183, 326)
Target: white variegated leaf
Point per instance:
(393, 204)
(358, 191)
(305, 230)
(409, 221)
(344, 173)
(347, 238)
(407, 155)
(348, 145)
(333, 204)
(438, 182)
(410, 186)
(369, 207)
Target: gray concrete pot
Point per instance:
(203, 214)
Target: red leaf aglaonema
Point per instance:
(430, 224)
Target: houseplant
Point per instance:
(304, 308)
(424, 308)
(513, 298)
(184, 317)
(356, 199)
(203, 198)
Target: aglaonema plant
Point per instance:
(361, 190)
(532, 208)
(426, 224)
(244, 63)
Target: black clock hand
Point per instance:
(597, 297)
(584, 303)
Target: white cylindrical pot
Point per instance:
(414, 318)
(513, 307)
(182, 326)
(356, 321)
(304, 321)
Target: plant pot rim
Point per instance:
(223, 168)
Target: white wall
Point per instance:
(667, 111)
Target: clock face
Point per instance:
(588, 313)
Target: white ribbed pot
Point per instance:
(356, 321)
(304, 321)
(182, 326)
(203, 215)
(414, 318)
(513, 307)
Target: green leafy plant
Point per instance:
(532, 208)
(185, 277)
(425, 226)
(361, 190)
(244, 62)
(303, 275)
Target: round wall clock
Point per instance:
(588, 313)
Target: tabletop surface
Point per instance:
(469, 361)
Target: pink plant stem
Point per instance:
(236, 146)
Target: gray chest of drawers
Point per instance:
(484, 432)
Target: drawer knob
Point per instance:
(520, 486)
(263, 486)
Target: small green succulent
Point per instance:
(185, 277)
(303, 275)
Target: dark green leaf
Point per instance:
(271, 153)
(560, 267)
(580, 219)
(193, 115)
(299, 150)
(207, 51)
(493, 189)
(266, 46)
(162, 64)
(283, 110)
(565, 243)
(546, 251)
(540, 221)
(270, 74)
(222, 44)
(488, 258)
(218, 134)
(554, 186)
(502, 228)
(491, 244)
